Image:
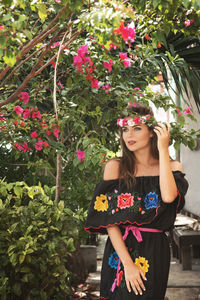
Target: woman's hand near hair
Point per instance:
(133, 274)
(167, 182)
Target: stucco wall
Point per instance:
(191, 166)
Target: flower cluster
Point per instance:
(135, 121)
(23, 96)
(127, 32)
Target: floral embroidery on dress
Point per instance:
(151, 200)
(125, 200)
(113, 260)
(101, 203)
(142, 263)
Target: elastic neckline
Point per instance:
(144, 176)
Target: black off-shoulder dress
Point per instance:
(137, 211)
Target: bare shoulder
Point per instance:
(111, 170)
(176, 165)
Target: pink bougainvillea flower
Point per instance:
(36, 114)
(19, 147)
(27, 113)
(56, 132)
(58, 1)
(178, 111)
(26, 148)
(48, 132)
(112, 46)
(39, 145)
(53, 63)
(123, 55)
(60, 84)
(80, 155)
(159, 45)
(1, 27)
(2, 118)
(187, 23)
(83, 50)
(34, 135)
(188, 111)
(106, 87)
(18, 109)
(94, 83)
(45, 144)
(127, 33)
(108, 65)
(24, 96)
(127, 62)
(56, 44)
(137, 88)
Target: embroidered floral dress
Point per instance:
(135, 210)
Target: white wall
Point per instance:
(191, 166)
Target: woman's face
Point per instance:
(136, 137)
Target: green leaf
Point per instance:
(42, 11)
(9, 58)
(28, 34)
(18, 191)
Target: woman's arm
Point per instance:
(168, 186)
(132, 272)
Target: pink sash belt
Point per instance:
(137, 233)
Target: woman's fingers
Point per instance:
(128, 285)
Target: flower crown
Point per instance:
(136, 120)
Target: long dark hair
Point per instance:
(127, 160)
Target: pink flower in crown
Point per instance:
(18, 109)
(83, 50)
(123, 55)
(188, 111)
(130, 122)
(108, 65)
(80, 155)
(187, 23)
(148, 117)
(137, 120)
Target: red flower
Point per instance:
(34, 135)
(159, 45)
(22, 124)
(48, 132)
(127, 33)
(18, 109)
(45, 144)
(147, 37)
(15, 122)
(56, 132)
(125, 200)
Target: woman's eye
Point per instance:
(137, 128)
(124, 129)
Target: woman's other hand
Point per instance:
(133, 277)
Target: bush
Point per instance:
(35, 243)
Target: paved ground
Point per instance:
(182, 285)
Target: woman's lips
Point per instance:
(131, 143)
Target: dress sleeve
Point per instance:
(98, 217)
(182, 186)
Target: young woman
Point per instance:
(135, 203)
